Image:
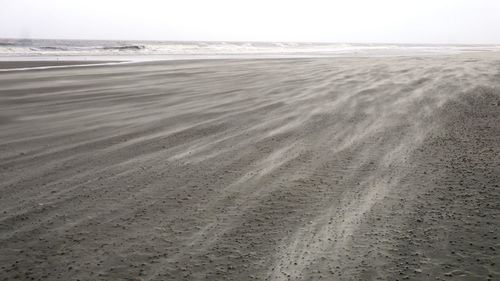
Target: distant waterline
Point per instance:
(144, 50)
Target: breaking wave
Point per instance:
(25, 47)
(126, 48)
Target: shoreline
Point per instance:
(8, 64)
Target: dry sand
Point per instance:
(289, 169)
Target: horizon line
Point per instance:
(243, 41)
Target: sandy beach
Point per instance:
(340, 168)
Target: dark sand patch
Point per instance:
(28, 64)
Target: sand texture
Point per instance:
(286, 169)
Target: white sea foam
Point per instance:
(37, 49)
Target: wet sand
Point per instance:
(42, 63)
(286, 169)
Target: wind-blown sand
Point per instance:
(287, 169)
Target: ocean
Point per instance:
(40, 49)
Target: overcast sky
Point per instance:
(383, 21)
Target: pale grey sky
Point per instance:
(387, 21)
